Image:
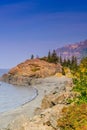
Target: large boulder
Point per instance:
(24, 73)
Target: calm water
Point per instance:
(13, 96)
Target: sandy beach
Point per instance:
(43, 86)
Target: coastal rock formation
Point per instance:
(59, 95)
(54, 99)
(26, 72)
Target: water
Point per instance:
(3, 71)
(13, 96)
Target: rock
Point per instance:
(21, 123)
(55, 115)
(37, 111)
(47, 120)
(59, 95)
(77, 49)
(58, 98)
(26, 72)
(69, 85)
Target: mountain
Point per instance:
(78, 49)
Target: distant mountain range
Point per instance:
(78, 49)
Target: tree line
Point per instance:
(52, 57)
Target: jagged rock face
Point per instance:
(23, 73)
(78, 49)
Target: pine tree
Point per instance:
(32, 56)
(72, 60)
(68, 63)
(60, 60)
(54, 57)
(64, 63)
(74, 63)
(49, 56)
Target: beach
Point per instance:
(44, 86)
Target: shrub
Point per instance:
(74, 118)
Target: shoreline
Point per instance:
(44, 86)
(11, 100)
(36, 94)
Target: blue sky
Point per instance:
(35, 26)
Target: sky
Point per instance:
(36, 26)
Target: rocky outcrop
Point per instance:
(26, 72)
(59, 95)
(54, 99)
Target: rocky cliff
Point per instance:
(26, 72)
(77, 49)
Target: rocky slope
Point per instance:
(78, 49)
(26, 72)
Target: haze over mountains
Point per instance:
(77, 49)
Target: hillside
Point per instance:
(78, 49)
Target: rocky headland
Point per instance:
(25, 73)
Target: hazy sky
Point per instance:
(35, 26)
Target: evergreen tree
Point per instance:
(72, 60)
(54, 57)
(49, 56)
(64, 63)
(74, 63)
(68, 63)
(32, 56)
(60, 60)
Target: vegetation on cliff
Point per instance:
(75, 116)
